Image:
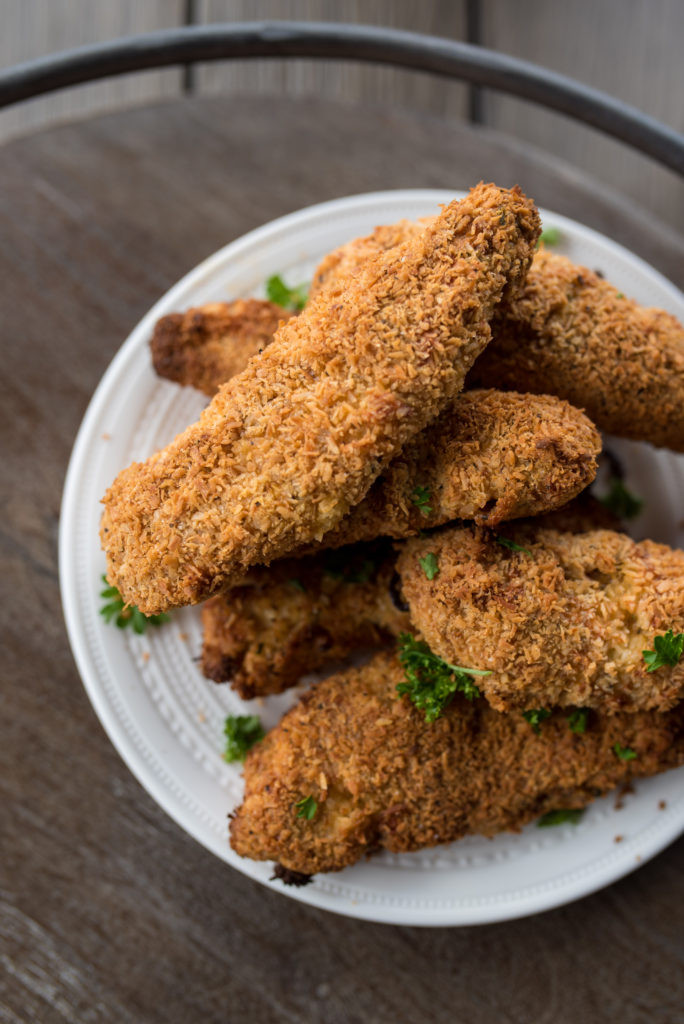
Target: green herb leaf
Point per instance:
(297, 585)
(506, 543)
(123, 615)
(420, 496)
(620, 501)
(667, 650)
(564, 817)
(535, 717)
(578, 720)
(619, 295)
(289, 298)
(241, 732)
(306, 808)
(550, 236)
(429, 565)
(624, 753)
(432, 682)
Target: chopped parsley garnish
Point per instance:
(289, 298)
(624, 753)
(667, 650)
(429, 565)
(420, 496)
(578, 720)
(432, 682)
(506, 543)
(297, 585)
(550, 236)
(619, 295)
(306, 807)
(126, 615)
(535, 717)
(241, 732)
(564, 817)
(620, 501)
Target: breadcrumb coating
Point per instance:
(382, 777)
(572, 334)
(565, 621)
(298, 615)
(290, 444)
(207, 345)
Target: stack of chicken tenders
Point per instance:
(402, 466)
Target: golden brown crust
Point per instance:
(290, 444)
(572, 334)
(492, 456)
(563, 622)
(384, 778)
(207, 345)
(298, 615)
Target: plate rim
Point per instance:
(519, 905)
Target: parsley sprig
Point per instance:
(241, 732)
(568, 816)
(306, 808)
(429, 565)
(620, 501)
(420, 496)
(511, 544)
(432, 682)
(126, 615)
(577, 720)
(535, 717)
(624, 753)
(667, 650)
(550, 236)
(289, 298)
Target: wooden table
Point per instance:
(108, 911)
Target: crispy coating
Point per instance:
(563, 622)
(298, 615)
(384, 778)
(572, 334)
(290, 444)
(492, 456)
(207, 345)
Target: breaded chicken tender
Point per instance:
(563, 621)
(288, 446)
(492, 456)
(379, 776)
(298, 615)
(206, 346)
(568, 333)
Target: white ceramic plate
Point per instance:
(166, 720)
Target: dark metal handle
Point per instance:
(473, 64)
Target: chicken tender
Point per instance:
(298, 615)
(563, 621)
(206, 346)
(568, 333)
(287, 447)
(376, 775)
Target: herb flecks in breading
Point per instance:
(420, 496)
(306, 808)
(535, 717)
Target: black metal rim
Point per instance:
(474, 64)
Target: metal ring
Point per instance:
(453, 59)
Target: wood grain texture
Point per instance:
(108, 912)
(34, 28)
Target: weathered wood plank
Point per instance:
(34, 28)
